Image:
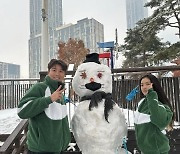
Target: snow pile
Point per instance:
(8, 120)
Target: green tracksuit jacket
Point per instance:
(48, 129)
(151, 118)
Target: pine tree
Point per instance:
(166, 14)
(143, 46)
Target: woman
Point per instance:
(44, 106)
(154, 114)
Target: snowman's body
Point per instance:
(93, 133)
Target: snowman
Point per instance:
(98, 124)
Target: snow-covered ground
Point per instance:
(9, 119)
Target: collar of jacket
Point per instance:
(51, 83)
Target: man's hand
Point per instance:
(57, 94)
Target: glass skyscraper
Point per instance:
(135, 11)
(88, 30)
(54, 20)
(9, 71)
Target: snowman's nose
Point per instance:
(91, 79)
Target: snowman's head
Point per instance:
(91, 76)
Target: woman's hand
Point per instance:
(152, 94)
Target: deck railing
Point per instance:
(10, 94)
(12, 90)
(16, 142)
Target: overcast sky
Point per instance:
(14, 28)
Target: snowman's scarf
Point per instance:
(96, 98)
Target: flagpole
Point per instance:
(44, 37)
(112, 56)
(108, 45)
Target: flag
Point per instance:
(106, 44)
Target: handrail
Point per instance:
(149, 68)
(14, 144)
(16, 79)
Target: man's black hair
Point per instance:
(59, 62)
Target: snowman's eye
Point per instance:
(83, 75)
(99, 75)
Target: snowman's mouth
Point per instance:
(93, 86)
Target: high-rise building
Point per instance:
(9, 71)
(135, 11)
(54, 20)
(88, 30)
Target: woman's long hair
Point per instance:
(161, 95)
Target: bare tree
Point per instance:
(72, 52)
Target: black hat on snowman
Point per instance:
(93, 57)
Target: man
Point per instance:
(44, 106)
